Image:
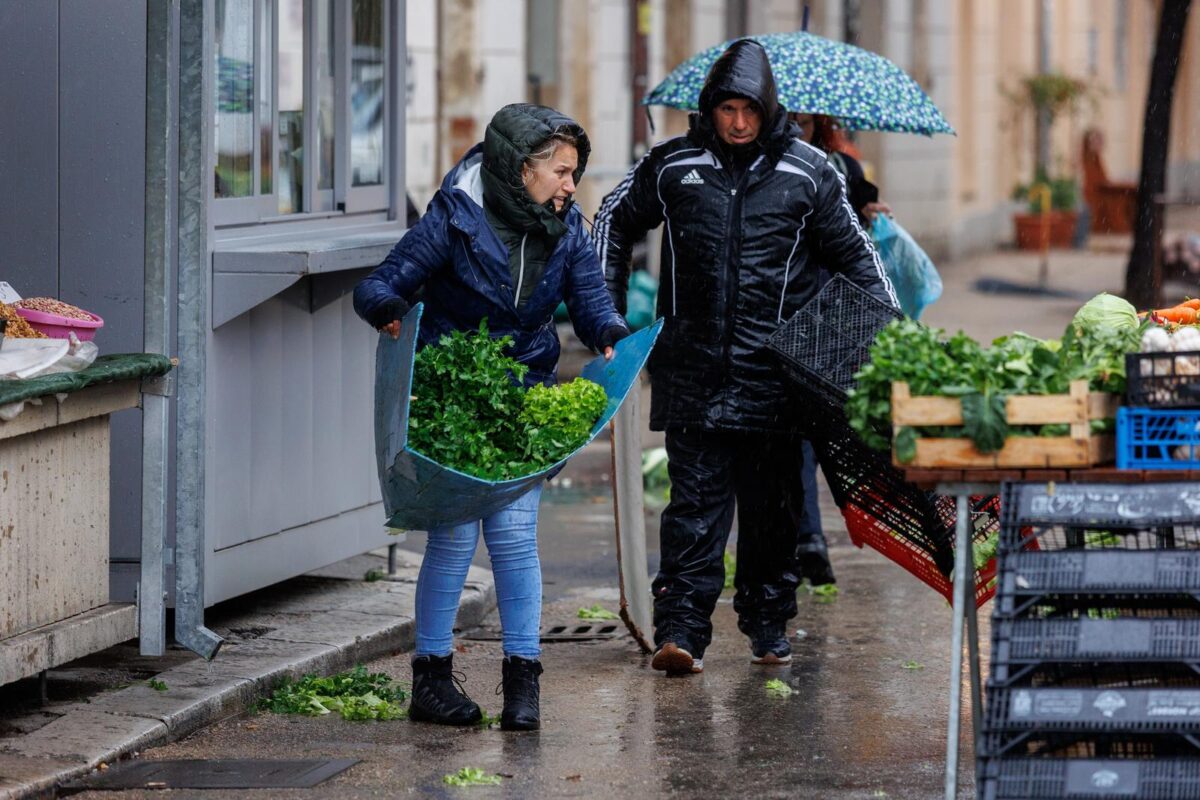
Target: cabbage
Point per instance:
(1106, 311)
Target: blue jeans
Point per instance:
(511, 538)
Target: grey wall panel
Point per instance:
(267, 477)
(357, 363)
(292, 427)
(29, 146)
(231, 396)
(299, 417)
(102, 152)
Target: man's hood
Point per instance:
(743, 70)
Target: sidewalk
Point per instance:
(102, 707)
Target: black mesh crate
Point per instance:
(1085, 722)
(1163, 380)
(1086, 578)
(826, 341)
(865, 478)
(1089, 779)
(1082, 642)
(1095, 516)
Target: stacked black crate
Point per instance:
(1094, 687)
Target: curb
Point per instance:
(347, 627)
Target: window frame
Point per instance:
(319, 204)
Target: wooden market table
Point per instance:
(962, 484)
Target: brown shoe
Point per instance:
(674, 660)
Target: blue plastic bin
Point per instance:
(1158, 438)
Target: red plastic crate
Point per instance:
(866, 530)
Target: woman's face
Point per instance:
(805, 121)
(553, 178)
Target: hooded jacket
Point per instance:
(529, 230)
(462, 266)
(739, 254)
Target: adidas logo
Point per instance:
(692, 177)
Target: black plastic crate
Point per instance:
(829, 339)
(866, 478)
(1086, 578)
(1089, 779)
(1023, 647)
(1073, 516)
(1086, 722)
(1163, 380)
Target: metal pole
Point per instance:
(629, 508)
(962, 584)
(195, 171)
(1043, 118)
(973, 655)
(392, 548)
(161, 20)
(396, 97)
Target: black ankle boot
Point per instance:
(437, 694)
(522, 710)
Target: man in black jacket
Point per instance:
(750, 211)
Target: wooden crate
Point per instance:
(1079, 449)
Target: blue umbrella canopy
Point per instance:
(816, 75)
(419, 493)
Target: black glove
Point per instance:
(612, 335)
(388, 311)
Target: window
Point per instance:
(300, 107)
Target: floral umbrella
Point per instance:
(816, 75)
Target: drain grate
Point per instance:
(570, 632)
(203, 774)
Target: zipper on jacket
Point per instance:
(731, 267)
(520, 274)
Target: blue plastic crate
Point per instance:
(1158, 438)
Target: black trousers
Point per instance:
(712, 473)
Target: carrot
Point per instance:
(1183, 315)
(1193, 303)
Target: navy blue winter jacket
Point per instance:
(463, 267)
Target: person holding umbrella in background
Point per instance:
(749, 211)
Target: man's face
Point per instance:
(737, 120)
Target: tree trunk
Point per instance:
(1141, 277)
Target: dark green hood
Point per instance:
(514, 132)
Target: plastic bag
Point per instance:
(912, 273)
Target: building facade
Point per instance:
(469, 57)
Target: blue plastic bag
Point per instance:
(912, 273)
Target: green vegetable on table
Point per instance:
(470, 412)
(1093, 348)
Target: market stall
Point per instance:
(54, 534)
(932, 422)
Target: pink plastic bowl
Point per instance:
(60, 327)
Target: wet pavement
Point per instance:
(867, 718)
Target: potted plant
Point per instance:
(1051, 215)
(1052, 200)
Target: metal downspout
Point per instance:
(161, 29)
(397, 98)
(195, 170)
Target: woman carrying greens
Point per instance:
(502, 241)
